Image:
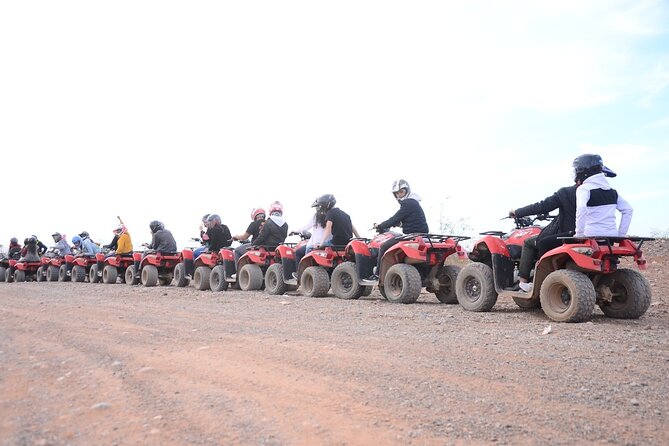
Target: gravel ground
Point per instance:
(114, 364)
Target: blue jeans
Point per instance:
(198, 251)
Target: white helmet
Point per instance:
(400, 184)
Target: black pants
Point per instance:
(299, 253)
(534, 248)
(527, 257)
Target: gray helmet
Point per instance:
(56, 236)
(324, 202)
(14, 240)
(214, 219)
(205, 217)
(84, 234)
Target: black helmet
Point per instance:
(155, 226)
(84, 234)
(214, 219)
(324, 202)
(586, 166)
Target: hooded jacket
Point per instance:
(410, 217)
(596, 204)
(273, 232)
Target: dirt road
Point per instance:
(113, 364)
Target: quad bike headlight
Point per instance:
(587, 251)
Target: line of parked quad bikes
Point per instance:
(568, 281)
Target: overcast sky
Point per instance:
(171, 109)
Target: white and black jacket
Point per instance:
(596, 205)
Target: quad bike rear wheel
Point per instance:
(201, 278)
(568, 296)
(217, 280)
(149, 275)
(109, 274)
(78, 273)
(344, 281)
(52, 274)
(629, 297)
(40, 275)
(315, 282)
(274, 283)
(250, 277)
(475, 287)
(402, 284)
(447, 277)
(3, 273)
(19, 276)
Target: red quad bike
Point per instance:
(416, 261)
(109, 269)
(155, 268)
(53, 269)
(220, 269)
(203, 268)
(22, 271)
(568, 280)
(279, 275)
(78, 266)
(315, 268)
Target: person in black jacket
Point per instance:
(562, 226)
(275, 229)
(410, 217)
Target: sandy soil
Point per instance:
(113, 364)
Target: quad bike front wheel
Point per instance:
(94, 274)
(62, 273)
(344, 281)
(217, 280)
(447, 276)
(40, 275)
(130, 276)
(180, 275)
(315, 282)
(402, 284)
(475, 287)
(3, 273)
(568, 296)
(274, 283)
(626, 293)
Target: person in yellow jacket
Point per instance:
(121, 243)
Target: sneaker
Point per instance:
(372, 278)
(526, 287)
(295, 276)
(234, 276)
(515, 287)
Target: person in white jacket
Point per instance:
(597, 202)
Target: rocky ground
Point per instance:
(114, 364)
